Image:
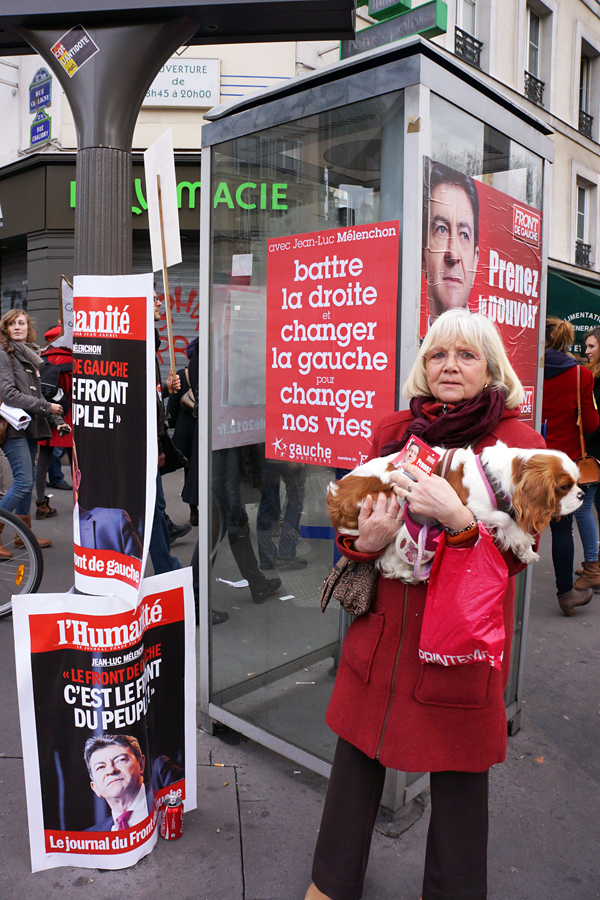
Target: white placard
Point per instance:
(183, 81)
(159, 160)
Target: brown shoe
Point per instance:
(573, 598)
(579, 571)
(590, 577)
(44, 510)
(4, 553)
(43, 542)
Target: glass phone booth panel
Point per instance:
(273, 662)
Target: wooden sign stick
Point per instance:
(165, 279)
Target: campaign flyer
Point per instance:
(115, 451)
(107, 703)
(332, 300)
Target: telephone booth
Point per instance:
(350, 149)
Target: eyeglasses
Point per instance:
(463, 357)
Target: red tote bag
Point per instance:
(463, 621)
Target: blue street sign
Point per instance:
(40, 90)
(40, 128)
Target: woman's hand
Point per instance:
(378, 523)
(432, 496)
(56, 409)
(64, 429)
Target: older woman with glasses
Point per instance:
(387, 708)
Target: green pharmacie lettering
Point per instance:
(245, 195)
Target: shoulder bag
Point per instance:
(188, 400)
(589, 467)
(351, 583)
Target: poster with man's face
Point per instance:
(481, 251)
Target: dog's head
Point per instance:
(545, 486)
(345, 498)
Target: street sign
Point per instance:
(40, 91)
(41, 128)
(428, 20)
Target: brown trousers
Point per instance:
(456, 855)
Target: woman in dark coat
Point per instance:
(388, 708)
(20, 387)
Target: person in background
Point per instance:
(592, 440)
(61, 357)
(20, 387)
(559, 412)
(160, 541)
(55, 478)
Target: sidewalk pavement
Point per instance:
(253, 834)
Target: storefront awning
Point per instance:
(574, 301)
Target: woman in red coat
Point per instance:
(388, 708)
(559, 412)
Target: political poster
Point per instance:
(115, 451)
(108, 711)
(331, 342)
(482, 250)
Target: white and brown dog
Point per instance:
(513, 492)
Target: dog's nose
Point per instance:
(580, 495)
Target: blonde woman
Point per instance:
(387, 708)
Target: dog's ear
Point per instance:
(534, 498)
(344, 498)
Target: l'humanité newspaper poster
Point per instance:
(107, 701)
(115, 451)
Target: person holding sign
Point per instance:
(20, 387)
(387, 707)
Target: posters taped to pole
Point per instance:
(108, 719)
(115, 451)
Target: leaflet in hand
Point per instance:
(16, 417)
(417, 453)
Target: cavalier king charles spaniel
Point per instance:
(514, 493)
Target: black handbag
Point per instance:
(174, 458)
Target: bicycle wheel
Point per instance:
(22, 572)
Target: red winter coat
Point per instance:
(422, 717)
(559, 410)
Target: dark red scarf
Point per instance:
(460, 426)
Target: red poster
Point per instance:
(331, 342)
(482, 250)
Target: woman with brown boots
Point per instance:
(20, 387)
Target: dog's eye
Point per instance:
(564, 487)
